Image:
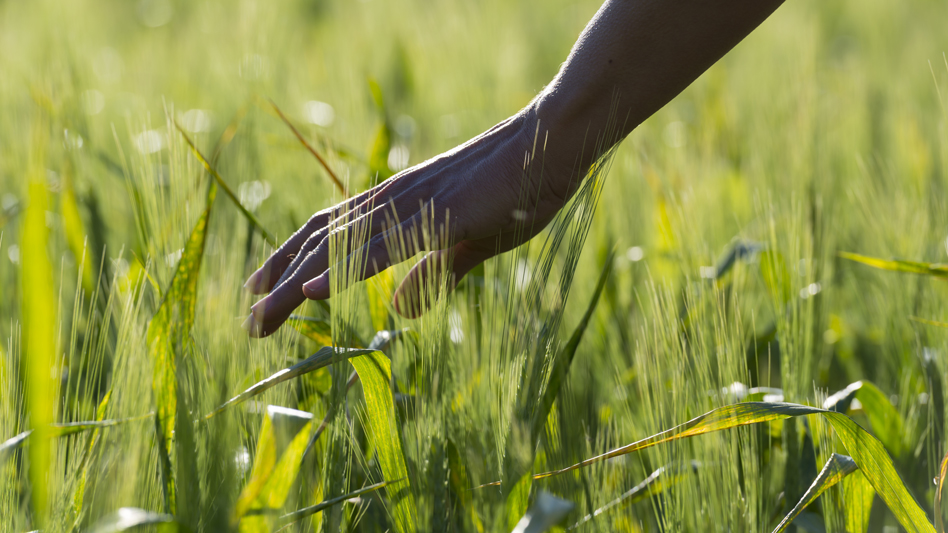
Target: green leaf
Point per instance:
(63, 430)
(886, 422)
(544, 514)
(295, 516)
(324, 357)
(316, 329)
(271, 480)
(129, 518)
(380, 290)
(654, 484)
(375, 372)
(857, 495)
(39, 352)
(938, 270)
(836, 468)
(868, 453)
(167, 334)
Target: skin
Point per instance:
(501, 188)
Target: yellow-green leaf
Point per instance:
(167, 332)
(885, 419)
(938, 270)
(324, 357)
(375, 373)
(836, 468)
(39, 351)
(857, 497)
(939, 491)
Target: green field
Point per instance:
(775, 234)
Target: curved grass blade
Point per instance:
(270, 480)
(227, 190)
(324, 357)
(325, 165)
(64, 430)
(865, 450)
(940, 482)
(129, 518)
(929, 322)
(167, 333)
(545, 513)
(654, 484)
(885, 419)
(938, 270)
(38, 310)
(375, 372)
(835, 469)
(11, 444)
(288, 519)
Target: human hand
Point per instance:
(489, 191)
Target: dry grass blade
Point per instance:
(937, 270)
(288, 519)
(836, 468)
(325, 165)
(324, 357)
(227, 190)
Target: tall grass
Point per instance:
(776, 234)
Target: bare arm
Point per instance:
(634, 57)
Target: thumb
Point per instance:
(424, 283)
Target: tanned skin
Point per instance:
(633, 57)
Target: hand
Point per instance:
(488, 190)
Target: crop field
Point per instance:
(739, 324)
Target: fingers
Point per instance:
(382, 251)
(268, 314)
(268, 276)
(423, 284)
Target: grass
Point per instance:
(776, 234)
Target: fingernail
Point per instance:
(254, 280)
(257, 310)
(317, 288)
(250, 326)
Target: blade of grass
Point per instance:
(324, 357)
(886, 422)
(167, 333)
(899, 265)
(857, 495)
(929, 322)
(325, 165)
(835, 469)
(288, 519)
(865, 450)
(226, 188)
(375, 372)
(654, 484)
(39, 331)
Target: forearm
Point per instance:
(633, 57)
